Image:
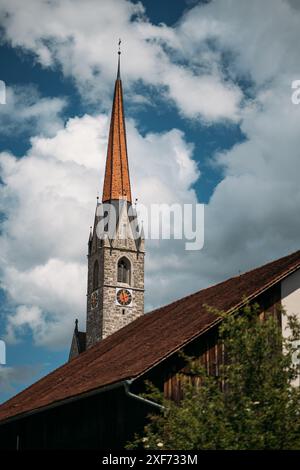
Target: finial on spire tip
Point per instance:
(119, 53)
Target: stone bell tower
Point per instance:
(115, 288)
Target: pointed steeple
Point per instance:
(116, 180)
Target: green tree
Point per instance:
(252, 404)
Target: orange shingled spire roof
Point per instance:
(116, 179)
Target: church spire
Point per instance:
(116, 180)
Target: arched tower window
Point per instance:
(124, 271)
(96, 275)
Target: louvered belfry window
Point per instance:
(124, 271)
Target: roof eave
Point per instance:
(68, 400)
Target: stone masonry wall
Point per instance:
(107, 317)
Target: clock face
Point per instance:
(124, 297)
(94, 299)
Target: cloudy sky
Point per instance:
(207, 88)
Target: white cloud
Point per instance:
(190, 92)
(26, 110)
(12, 376)
(51, 296)
(261, 37)
(81, 39)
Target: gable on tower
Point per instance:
(117, 221)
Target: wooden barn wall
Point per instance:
(104, 421)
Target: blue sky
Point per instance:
(207, 89)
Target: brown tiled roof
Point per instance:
(145, 342)
(116, 180)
